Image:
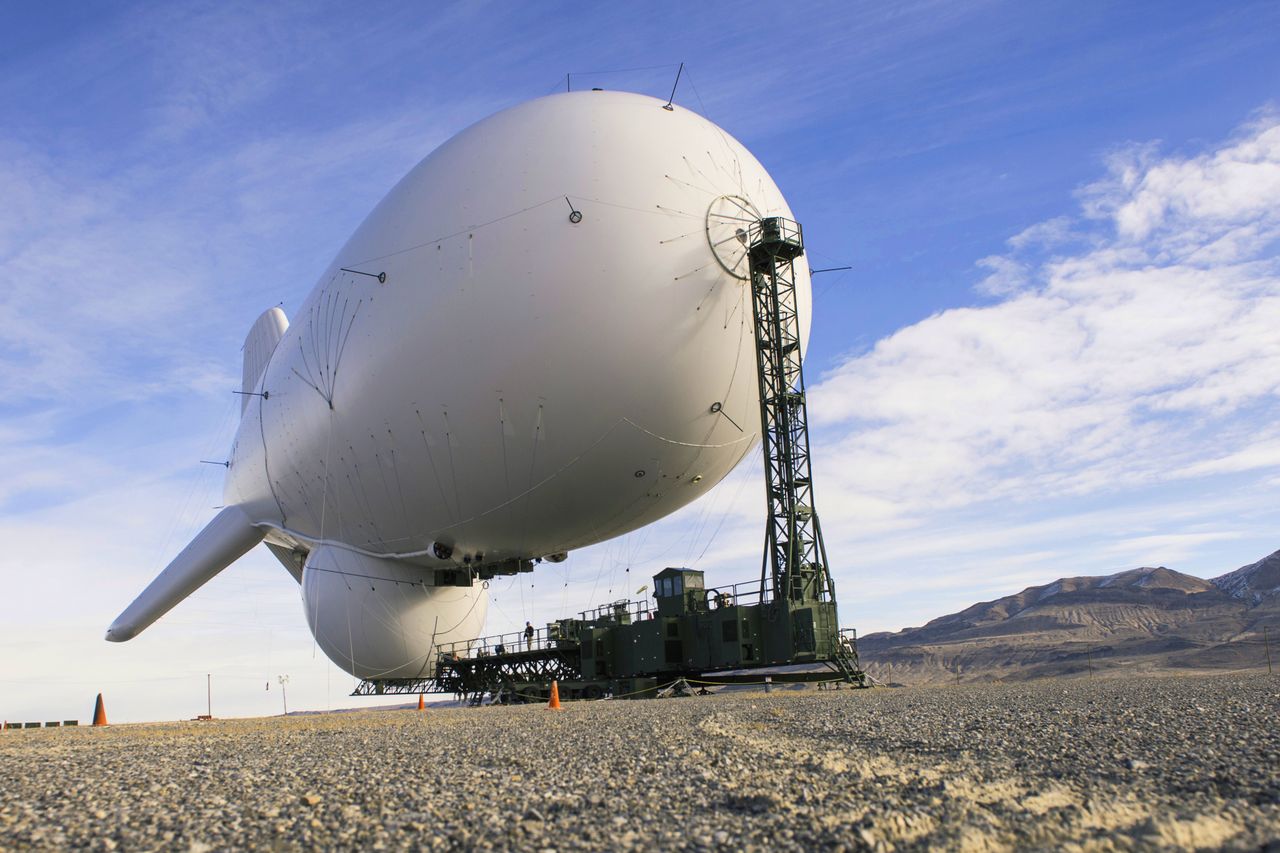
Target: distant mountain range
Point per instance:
(1142, 621)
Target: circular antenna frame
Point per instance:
(729, 217)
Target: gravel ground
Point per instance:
(1147, 764)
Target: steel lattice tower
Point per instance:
(795, 556)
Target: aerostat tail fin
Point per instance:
(259, 344)
(223, 541)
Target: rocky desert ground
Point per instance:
(1073, 764)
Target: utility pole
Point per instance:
(208, 686)
(284, 695)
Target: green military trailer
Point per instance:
(687, 634)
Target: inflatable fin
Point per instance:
(223, 541)
(260, 343)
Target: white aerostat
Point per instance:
(539, 340)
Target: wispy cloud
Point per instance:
(1133, 361)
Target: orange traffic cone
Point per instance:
(422, 705)
(99, 712)
(554, 704)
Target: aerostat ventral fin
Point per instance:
(223, 541)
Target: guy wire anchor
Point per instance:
(575, 215)
(380, 276)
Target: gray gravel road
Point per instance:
(1150, 764)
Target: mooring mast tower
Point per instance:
(795, 557)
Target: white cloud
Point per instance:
(1005, 275)
(1132, 361)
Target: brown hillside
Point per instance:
(1142, 620)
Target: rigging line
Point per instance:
(330, 351)
(502, 433)
(434, 472)
(682, 443)
(723, 518)
(704, 516)
(317, 390)
(564, 588)
(343, 348)
(328, 458)
(337, 317)
(382, 471)
(710, 290)
(618, 563)
(671, 210)
(737, 360)
(733, 201)
(395, 471)
(364, 498)
(315, 615)
(724, 139)
(729, 316)
(691, 272)
(314, 324)
(196, 483)
(351, 643)
(624, 70)
(629, 207)
(469, 228)
(386, 486)
(383, 672)
(524, 608)
(698, 169)
(733, 236)
(302, 496)
(346, 573)
(399, 624)
(310, 378)
(453, 470)
(262, 434)
(600, 571)
(830, 284)
(475, 601)
(679, 237)
(306, 364)
(696, 95)
(435, 632)
(729, 174)
(493, 600)
(533, 464)
(693, 186)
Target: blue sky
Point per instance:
(1055, 354)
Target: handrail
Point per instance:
(747, 593)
